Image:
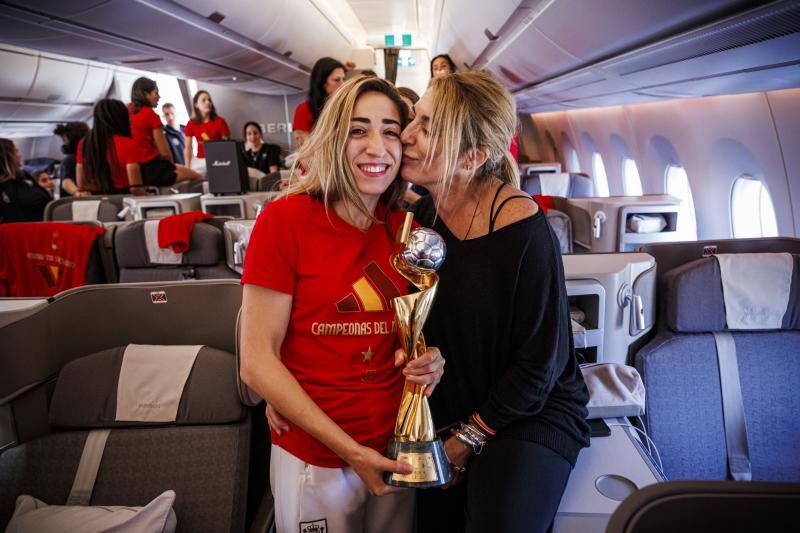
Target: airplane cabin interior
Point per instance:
(659, 139)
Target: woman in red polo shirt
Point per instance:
(326, 78)
(205, 125)
(317, 337)
(108, 160)
(157, 167)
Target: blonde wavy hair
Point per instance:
(328, 175)
(473, 111)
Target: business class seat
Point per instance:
(203, 456)
(204, 260)
(84, 208)
(692, 426)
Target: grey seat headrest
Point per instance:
(85, 395)
(131, 249)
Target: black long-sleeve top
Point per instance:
(501, 320)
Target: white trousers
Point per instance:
(315, 499)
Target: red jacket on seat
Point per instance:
(44, 258)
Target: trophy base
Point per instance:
(431, 468)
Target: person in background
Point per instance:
(513, 391)
(157, 167)
(326, 77)
(109, 159)
(174, 134)
(442, 65)
(21, 198)
(260, 155)
(45, 181)
(71, 133)
(410, 97)
(204, 125)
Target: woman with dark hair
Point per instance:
(205, 125)
(326, 77)
(71, 133)
(442, 65)
(513, 395)
(157, 166)
(109, 159)
(21, 198)
(333, 393)
(260, 155)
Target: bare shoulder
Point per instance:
(519, 206)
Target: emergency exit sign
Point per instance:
(390, 40)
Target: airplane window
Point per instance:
(600, 178)
(574, 164)
(752, 214)
(677, 184)
(631, 181)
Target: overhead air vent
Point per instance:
(140, 61)
(742, 30)
(216, 16)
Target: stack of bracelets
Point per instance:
(474, 433)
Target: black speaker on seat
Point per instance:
(226, 169)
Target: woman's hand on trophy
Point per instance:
(276, 420)
(370, 466)
(426, 369)
(458, 454)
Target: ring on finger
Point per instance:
(458, 469)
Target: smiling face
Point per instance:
(373, 149)
(417, 146)
(253, 135)
(334, 81)
(441, 67)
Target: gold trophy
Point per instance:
(415, 441)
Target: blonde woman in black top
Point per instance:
(512, 402)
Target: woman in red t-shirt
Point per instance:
(326, 78)
(317, 337)
(205, 125)
(108, 160)
(157, 167)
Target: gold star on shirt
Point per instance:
(368, 355)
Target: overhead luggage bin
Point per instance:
(612, 300)
(621, 223)
(144, 207)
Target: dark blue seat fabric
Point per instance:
(684, 410)
(681, 376)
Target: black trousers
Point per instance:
(513, 486)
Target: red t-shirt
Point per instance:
(303, 120)
(213, 130)
(44, 258)
(142, 125)
(127, 152)
(340, 341)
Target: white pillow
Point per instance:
(32, 515)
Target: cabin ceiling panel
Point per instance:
(63, 8)
(282, 25)
(463, 23)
